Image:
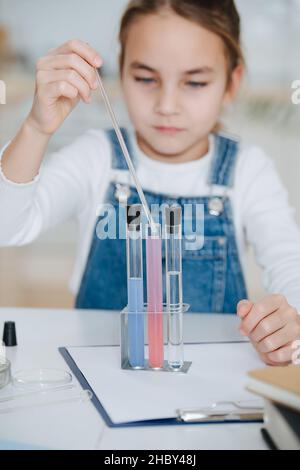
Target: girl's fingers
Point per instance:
(58, 89)
(270, 324)
(69, 76)
(260, 310)
(244, 307)
(282, 355)
(278, 339)
(81, 48)
(264, 357)
(69, 62)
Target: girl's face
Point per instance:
(175, 83)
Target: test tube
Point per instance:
(154, 296)
(136, 340)
(173, 232)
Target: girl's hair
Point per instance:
(218, 16)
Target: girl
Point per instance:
(180, 64)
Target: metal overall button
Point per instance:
(222, 241)
(215, 206)
(122, 193)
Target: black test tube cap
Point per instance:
(134, 214)
(9, 334)
(173, 217)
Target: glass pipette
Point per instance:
(83, 396)
(35, 392)
(124, 148)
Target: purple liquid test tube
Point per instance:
(136, 338)
(154, 297)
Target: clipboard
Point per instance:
(179, 420)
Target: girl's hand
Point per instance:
(63, 76)
(272, 326)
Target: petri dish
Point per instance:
(41, 379)
(5, 374)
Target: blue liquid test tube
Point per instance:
(173, 235)
(136, 341)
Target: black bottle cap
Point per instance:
(9, 334)
(134, 213)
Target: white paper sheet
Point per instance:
(218, 373)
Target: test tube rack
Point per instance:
(125, 361)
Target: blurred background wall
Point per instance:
(38, 274)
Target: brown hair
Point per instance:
(218, 16)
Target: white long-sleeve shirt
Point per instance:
(73, 181)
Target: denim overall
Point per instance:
(213, 280)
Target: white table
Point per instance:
(71, 426)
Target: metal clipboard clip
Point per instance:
(223, 411)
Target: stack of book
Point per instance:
(280, 387)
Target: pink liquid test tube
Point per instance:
(154, 297)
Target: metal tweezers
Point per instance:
(222, 411)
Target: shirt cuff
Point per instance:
(10, 182)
